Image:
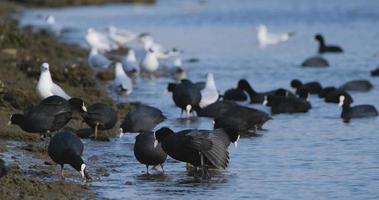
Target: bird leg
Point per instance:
(181, 114)
(97, 124)
(162, 167)
(62, 174)
(147, 169)
(204, 172)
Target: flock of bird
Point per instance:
(203, 149)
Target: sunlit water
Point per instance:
(303, 156)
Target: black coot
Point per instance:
(315, 61)
(326, 91)
(200, 148)
(334, 96)
(141, 118)
(242, 119)
(323, 48)
(258, 97)
(375, 72)
(360, 111)
(357, 85)
(66, 148)
(100, 116)
(312, 87)
(186, 96)
(3, 168)
(280, 104)
(216, 109)
(147, 151)
(236, 94)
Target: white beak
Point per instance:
(84, 108)
(155, 143)
(121, 132)
(265, 102)
(9, 123)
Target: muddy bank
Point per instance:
(60, 3)
(21, 53)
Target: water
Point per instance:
(303, 156)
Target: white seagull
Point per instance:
(97, 60)
(160, 51)
(130, 64)
(46, 87)
(99, 41)
(209, 94)
(149, 63)
(265, 38)
(120, 36)
(122, 82)
(51, 26)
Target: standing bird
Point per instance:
(3, 168)
(97, 60)
(160, 51)
(46, 87)
(265, 38)
(204, 148)
(129, 62)
(323, 48)
(142, 118)
(186, 96)
(122, 82)
(99, 41)
(148, 154)
(66, 148)
(359, 111)
(51, 114)
(51, 26)
(100, 116)
(149, 63)
(210, 93)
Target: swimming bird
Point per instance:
(315, 61)
(265, 38)
(51, 27)
(51, 114)
(121, 36)
(313, 87)
(100, 116)
(357, 85)
(129, 62)
(141, 118)
(97, 60)
(326, 91)
(149, 63)
(216, 109)
(147, 153)
(46, 87)
(258, 97)
(186, 96)
(242, 119)
(99, 41)
(359, 111)
(282, 104)
(178, 72)
(205, 148)
(122, 82)
(323, 48)
(334, 95)
(236, 94)
(375, 72)
(66, 148)
(210, 93)
(3, 168)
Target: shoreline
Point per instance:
(21, 53)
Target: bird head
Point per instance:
(161, 134)
(44, 67)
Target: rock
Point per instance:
(315, 61)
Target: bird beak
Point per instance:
(121, 132)
(84, 108)
(236, 142)
(340, 104)
(155, 143)
(265, 102)
(9, 123)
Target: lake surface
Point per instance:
(303, 156)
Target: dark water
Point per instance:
(304, 156)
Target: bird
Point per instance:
(216, 109)
(186, 96)
(315, 61)
(100, 116)
(313, 87)
(243, 119)
(357, 85)
(258, 97)
(142, 118)
(265, 38)
(204, 148)
(178, 72)
(323, 48)
(120, 36)
(46, 87)
(98, 61)
(122, 82)
(359, 111)
(146, 152)
(99, 41)
(67, 148)
(210, 93)
(149, 63)
(3, 168)
(129, 62)
(51, 114)
(51, 27)
(334, 95)
(375, 72)
(326, 91)
(160, 51)
(236, 94)
(282, 104)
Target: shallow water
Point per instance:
(303, 156)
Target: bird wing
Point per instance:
(99, 61)
(57, 90)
